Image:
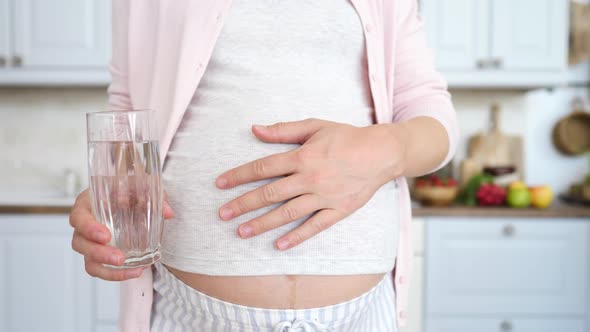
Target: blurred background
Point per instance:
(501, 236)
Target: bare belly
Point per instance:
(281, 291)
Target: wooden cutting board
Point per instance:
(493, 148)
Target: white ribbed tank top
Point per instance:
(274, 61)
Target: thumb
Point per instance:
(288, 132)
(166, 208)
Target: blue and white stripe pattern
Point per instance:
(178, 308)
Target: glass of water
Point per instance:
(125, 186)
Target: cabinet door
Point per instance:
(530, 34)
(62, 33)
(503, 324)
(107, 328)
(4, 32)
(503, 266)
(42, 281)
(106, 302)
(457, 30)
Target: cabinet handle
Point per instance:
(2, 61)
(490, 63)
(17, 61)
(483, 63)
(508, 230)
(506, 326)
(497, 62)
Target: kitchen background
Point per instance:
(56, 117)
(513, 53)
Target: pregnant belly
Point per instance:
(281, 291)
(189, 180)
(197, 245)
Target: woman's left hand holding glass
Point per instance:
(334, 172)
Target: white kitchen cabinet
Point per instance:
(107, 302)
(454, 30)
(4, 35)
(529, 34)
(506, 324)
(107, 328)
(44, 289)
(58, 42)
(499, 43)
(43, 284)
(508, 266)
(62, 33)
(483, 271)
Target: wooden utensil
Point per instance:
(579, 33)
(493, 149)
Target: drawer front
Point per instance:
(107, 301)
(107, 328)
(507, 266)
(504, 325)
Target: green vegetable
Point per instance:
(468, 196)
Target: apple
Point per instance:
(517, 185)
(519, 198)
(541, 196)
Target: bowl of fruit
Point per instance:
(579, 193)
(434, 190)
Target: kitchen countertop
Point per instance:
(34, 209)
(557, 210)
(35, 203)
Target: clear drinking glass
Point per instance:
(125, 186)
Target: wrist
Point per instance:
(392, 140)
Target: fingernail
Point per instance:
(116, 260)
(221, 182)
(226, 213)
(283, 244)
(246, 231)
(259, 127)
(99, 237)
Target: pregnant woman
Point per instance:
(288, 128)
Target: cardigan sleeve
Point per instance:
(136, 295)
(118, 91)
(419, 90)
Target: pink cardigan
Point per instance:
(161, 49)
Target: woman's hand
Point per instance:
(91, 239)
(335, 171)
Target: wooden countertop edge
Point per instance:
(559, 211)
(34, 209)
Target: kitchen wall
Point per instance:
(531, 115)
(544, 163)
(55, 118)
(42, 133)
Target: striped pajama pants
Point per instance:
(178, 308)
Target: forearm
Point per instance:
(423, 143)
